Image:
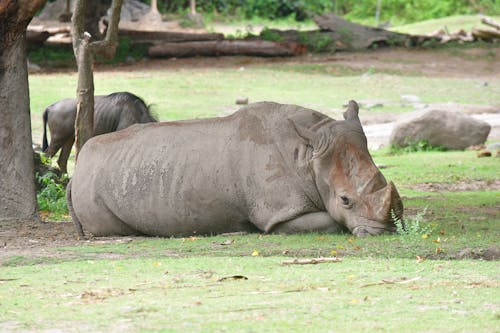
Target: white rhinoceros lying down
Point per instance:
(268, 167)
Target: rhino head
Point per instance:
(353, 190)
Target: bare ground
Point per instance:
(33, 239)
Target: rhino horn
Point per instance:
(391, 206)
(352, 111)
(396, 207)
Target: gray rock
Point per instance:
(452, 130)
(493, 146)
(411, 99)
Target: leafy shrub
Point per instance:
(52, 195)
(403, 11)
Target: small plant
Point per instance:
(271, 35)
(52, 194)
(317, 42)
(412, 232)
(416, 146)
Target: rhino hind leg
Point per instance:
(62, 161)
(311, 222)
(76, 221)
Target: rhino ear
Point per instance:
(304, 133)
(352, 111)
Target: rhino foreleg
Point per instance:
(312, 222)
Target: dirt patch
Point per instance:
(461, 186)
(426, 62)
(32, 239)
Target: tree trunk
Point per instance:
(84, 54)
(17, 181)
(192, 7)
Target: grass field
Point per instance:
(433, 281)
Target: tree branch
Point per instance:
(313, 261)
(107, 47)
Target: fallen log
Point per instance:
(357, 36)
(485, 34)
(490, 22)
(226, 47)
(167, 36)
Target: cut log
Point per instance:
(486, 34)
(36, 37)
(357, 36)
(226, 47)
(168, 36)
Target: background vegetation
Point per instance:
(396, 11)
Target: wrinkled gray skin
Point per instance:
(268, 167)
(111, 113)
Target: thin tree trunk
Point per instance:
(154, 6)
(192, 6)
(17, 181)
(84, 52)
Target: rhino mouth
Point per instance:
(367, 230)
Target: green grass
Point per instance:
(432, 167)
(175, 295)
(452, 23)
(320, 87)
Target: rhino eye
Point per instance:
(345, 200)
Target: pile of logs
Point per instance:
(485, 34)
(338, 33)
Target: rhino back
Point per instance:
(206, 176)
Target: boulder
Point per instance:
(452, 130)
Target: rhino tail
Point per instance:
(45, 142)
(76, 221)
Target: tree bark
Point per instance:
(17, 181)
(226, 47)
(84, 53)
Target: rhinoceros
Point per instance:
(111, 113)
(268, 167)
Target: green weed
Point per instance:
(412, 231)
(271, 35)
(52, 195)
